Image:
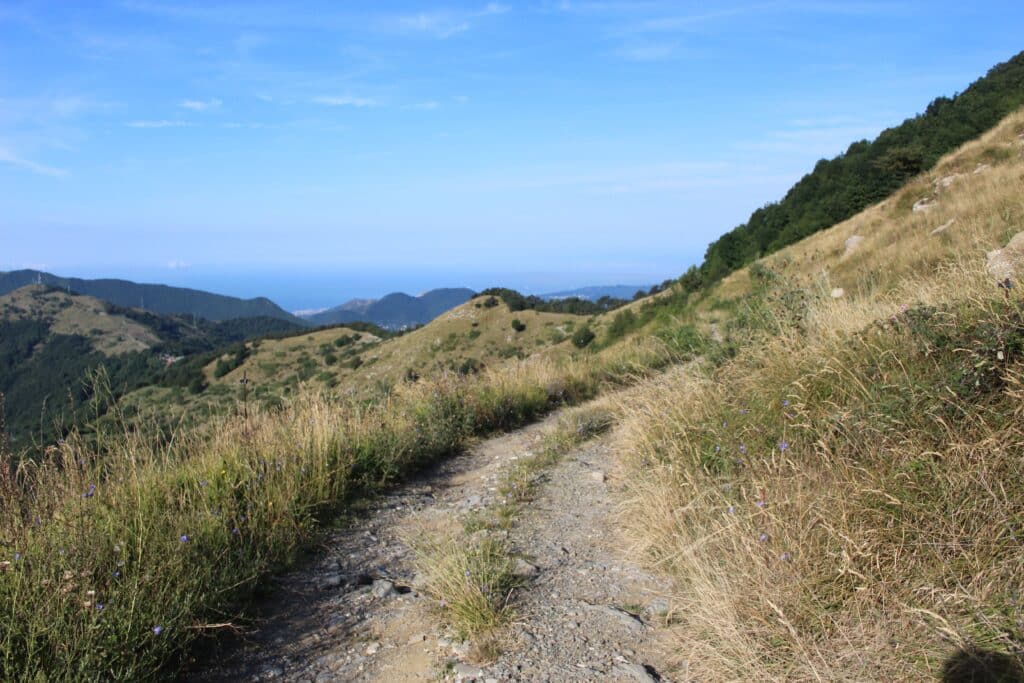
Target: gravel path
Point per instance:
(355, 614)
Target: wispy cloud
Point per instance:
(652, 52)
(346, 101)
(159, 123)
(445, 24)
(9, 157)
(201, 105)
(177, 265)
(427, 106)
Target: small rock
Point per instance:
(598, 476)
(838, 293)
(465, 672)
(330, 581)
(945, 182)
(634, 672)
(621, 616)
(382, 588)
(925, 204)
(372, 648)
(981, 168)
(942, 228)
(852, 243)
(273, 672)
(656, 608)
(524, 569)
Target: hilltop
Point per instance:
(160, 299)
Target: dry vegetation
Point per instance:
(119, 551)
(843, 500)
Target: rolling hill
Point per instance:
(51, 342)
(160, 299)
(396, 311)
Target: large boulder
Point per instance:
(1008, 262)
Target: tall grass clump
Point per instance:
(118, 551)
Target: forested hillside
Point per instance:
(161, 299)
(52, 344)
(866, 173)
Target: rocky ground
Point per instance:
(355, 614)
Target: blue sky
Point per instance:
(316, 151)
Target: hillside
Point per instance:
(344, 362)
(396, 311)
(160, 299)
(866, 173)
(849, 458)
(52, 342)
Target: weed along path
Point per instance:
(373, 607)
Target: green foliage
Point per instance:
(582, 337)
(518, 325)
(574, 305)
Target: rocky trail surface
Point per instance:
(356, 612)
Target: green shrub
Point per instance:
(582, 337)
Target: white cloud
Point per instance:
(160, 123)
(9, 157)
(201, 105)
(177, 265)
(428, 105)
(346, 101)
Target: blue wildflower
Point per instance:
(783, 446)
(184, 538)
(91, 492)
(157, 630)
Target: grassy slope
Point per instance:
(77, 315)
(470, 336)
(841, 500)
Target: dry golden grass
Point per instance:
(843, 500)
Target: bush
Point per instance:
(518, 325)
(582, 337)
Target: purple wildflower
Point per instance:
(785, 403)
(17, 556)
(760, 503)
(184, 538)
(157, 630)
(732, 509)
(763, 537)
(785, 557)
(235, 531)
(783, 446)
(91, 492)
(116, 574)
(743, 448)
(99, 606)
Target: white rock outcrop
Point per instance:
(1008, 262)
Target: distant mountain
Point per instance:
(596, 292)
(395, 311)
(161, 299)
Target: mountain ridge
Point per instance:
(396, 310)
(155, 298)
